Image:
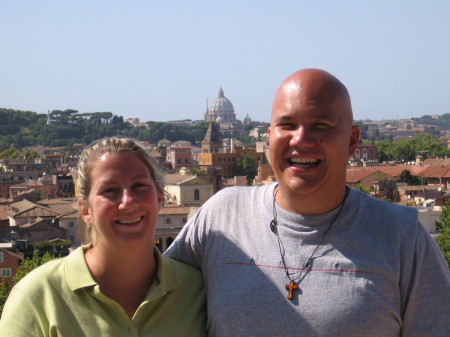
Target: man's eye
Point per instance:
(321, 126)
(287, 126)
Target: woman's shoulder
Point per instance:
(40, 278)
(182, 270)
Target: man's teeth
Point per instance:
(303, 161)
(129, 221)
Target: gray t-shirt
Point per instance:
(376, 273)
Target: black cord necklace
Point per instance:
(293, 284)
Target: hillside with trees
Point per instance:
(407, 149)
(443, 121)
(20, 129)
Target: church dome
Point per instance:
(221, 110)
(221, 104)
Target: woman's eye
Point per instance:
(141, 186)
(109, 191)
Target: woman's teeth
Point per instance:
(128, 221)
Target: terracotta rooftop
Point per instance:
(354, 176)
(4, 212)
(35, 210)
(436, 162)
(176, 178)
(436, 172)
(393, 170)
(61, 205)
(16, 255)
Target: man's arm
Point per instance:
(426, 290)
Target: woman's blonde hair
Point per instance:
(92, 153)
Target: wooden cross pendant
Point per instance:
(290, 288)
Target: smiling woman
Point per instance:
(117, 282)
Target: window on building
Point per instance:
(158, 244)
(5, 272)
(72, 224)
(179, 161)
(2, 257)
(167, 221)
(184, 220)
(196, 194)
(169, 241)
(186, 160)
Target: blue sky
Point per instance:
(162, 60)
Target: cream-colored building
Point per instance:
(187, 190)
(170, 222)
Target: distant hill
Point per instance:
(443, 121)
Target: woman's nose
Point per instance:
(127, 199)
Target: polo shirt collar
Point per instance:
(77, 272)
(166, 277)
(78, 275)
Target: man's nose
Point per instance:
(302, 137)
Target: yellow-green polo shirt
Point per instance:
(61, 298)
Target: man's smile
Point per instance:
(303, 162)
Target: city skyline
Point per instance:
(165, 61)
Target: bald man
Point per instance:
(307, 255)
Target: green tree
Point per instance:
(245, 166)
(5, 289)
(30, 155)
(407, 177)
(407, 149)
(25, 267)
(443, 228)
(385, 150)
(28, 265)
(361, 188)
(10, 153)
(197, 171)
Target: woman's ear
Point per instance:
(160, 200)
(85, 213)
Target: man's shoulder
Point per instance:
(241, 192)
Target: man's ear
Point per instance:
(84, 211)
(354, 139)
